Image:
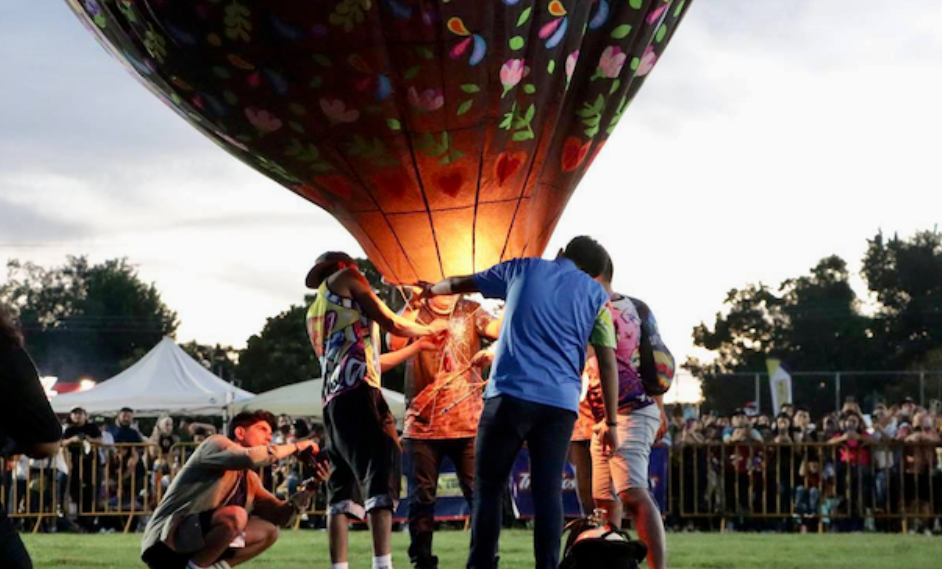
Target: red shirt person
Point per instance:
(443, 398)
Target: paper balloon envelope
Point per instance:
(446, 136)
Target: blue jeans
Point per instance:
(506, 423)
(806, 500)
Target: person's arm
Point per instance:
(452, 285)
(604, 342)
(353, 282)
(396, 343)
(25, 414)
(487, 325)
(661, 430)
(608, 375)
(390, 360)
(224, 454)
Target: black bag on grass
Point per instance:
(592, 545)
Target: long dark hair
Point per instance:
(10, 335)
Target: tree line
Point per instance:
(818, 322)
(95, 320)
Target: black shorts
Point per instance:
(160, 556)
(364, 454)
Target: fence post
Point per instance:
(922, 388)
(837, 391)
(759, 393)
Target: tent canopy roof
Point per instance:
(304, 400)
(166, 380)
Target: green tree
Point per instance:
(220, 360)
(280, 354)
(86, 320)
(813, 323)
(906, 278)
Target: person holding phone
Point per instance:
(216, 512)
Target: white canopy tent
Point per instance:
(304, 400)
(166, 380)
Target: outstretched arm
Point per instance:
(396, 343)
(354, 283)
(452, 285)
(390, 360)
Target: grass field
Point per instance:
(308, 550)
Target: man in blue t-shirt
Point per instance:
(554, 310)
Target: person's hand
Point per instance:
(607, 436)
(482, 359)
(305, 445)
(430, 343)
(426, 290)
(662, 429)
(302, 500)
(439, 327)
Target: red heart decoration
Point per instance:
(574, 152)
(450, 182)
(507, 165)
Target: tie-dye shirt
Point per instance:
(345, 341)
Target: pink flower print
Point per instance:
(648, 59)
(511, 73)
(337, 111)
(656, 15)
(571, 64)
(262, 120)
(429, 100)
(611, 62)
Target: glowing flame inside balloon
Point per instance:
(445, 136)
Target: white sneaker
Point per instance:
(237, 543)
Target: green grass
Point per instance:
(308, 550)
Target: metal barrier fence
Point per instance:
(816, 484)
(121, 482)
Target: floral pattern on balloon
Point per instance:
(446, 136)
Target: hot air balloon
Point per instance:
(445, 135)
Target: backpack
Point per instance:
(657, 363)
(594, 545)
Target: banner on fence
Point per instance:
(657, 475)
(780, 382)
(520, 489)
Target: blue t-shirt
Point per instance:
(553, 311)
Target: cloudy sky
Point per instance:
(771, 134)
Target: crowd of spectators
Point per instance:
(108, 465)
(846, 469)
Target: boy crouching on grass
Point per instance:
(216, 513)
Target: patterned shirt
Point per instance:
(431, 383)
(345, 341)
(631, 394)
(629, 328)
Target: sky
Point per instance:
(770, 135)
